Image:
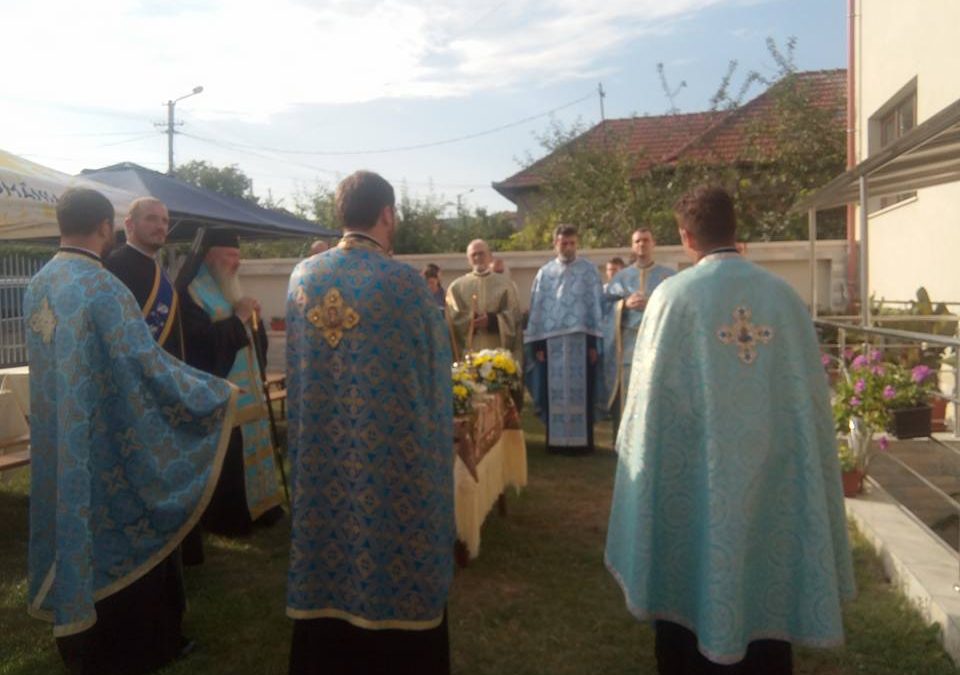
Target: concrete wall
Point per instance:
(912, 243)
(267, 279)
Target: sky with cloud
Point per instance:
(300, 91)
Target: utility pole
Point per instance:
(171, 123)
(602, 95)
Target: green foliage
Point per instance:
(597, 187)
(227, 180)
(923, 308)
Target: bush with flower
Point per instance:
(871, 389)
(868, 393)
(495, 369)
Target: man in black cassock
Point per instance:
(217, 322)
(135, 264)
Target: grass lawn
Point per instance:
(538, 599)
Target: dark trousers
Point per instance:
(677, 654)
(335, 647)
(137, 629)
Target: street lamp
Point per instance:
(170, 124)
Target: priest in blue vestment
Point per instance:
(727, 526)
(564, 336)
(135, 264)
(127, 444)
(370, 413)
(624, 299)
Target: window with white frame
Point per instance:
(893, 120)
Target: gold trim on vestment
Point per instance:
(148, 305)
(146, 566)
(360, 622)
(618, 310)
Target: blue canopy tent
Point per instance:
(192, 207)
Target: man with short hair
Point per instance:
(482, 307)
(624, 299)
(136, 265)
(126, 444)
(614, 265)
(564, 332)
(371, 450)
(727, 526)
(218, 322)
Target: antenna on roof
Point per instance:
(602, 94)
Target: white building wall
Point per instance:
(267, 279)
(913, 243)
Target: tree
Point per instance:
(227, 180)
(789, 153)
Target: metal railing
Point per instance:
(15, 273)
(891, 338)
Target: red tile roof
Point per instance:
(715, 136)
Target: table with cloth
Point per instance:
(491, 456)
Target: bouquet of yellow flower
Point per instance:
(495, 369)
(464, 388)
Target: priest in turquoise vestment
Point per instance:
(727, 526)
(127, 443)
(563, 335)
(370, 412)
(625, 298)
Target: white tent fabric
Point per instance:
(28, 198)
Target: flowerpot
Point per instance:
(938, 420)
(278, 324)
(852, 482)
(911, 422)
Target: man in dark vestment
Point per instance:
(219, 340)
(135, 264)
(127, 444)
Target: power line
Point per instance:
(419, 146)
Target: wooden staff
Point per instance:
(261, 362)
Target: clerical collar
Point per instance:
(81, 251)
(152, 256)
(355, 236)
(722, 253)
(484, 273)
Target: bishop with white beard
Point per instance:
(216, 321)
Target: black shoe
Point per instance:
(186, 647)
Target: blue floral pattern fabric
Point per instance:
(616, 366)
(565, 298)
(127, 441)
(370, 411)
(728, 514)
(259, 471)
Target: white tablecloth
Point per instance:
(17, 380)
(505, 465)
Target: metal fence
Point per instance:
(15, 273)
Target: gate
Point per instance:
(15, 273)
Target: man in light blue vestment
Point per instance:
(370, 411)
(624, 299)
(127, 443)
(563, 334)
(727, 526)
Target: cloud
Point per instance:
(256, 59)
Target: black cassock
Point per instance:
(212, 346)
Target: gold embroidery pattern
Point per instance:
(44, 322)
(745, 334)
(332, 317)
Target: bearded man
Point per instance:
(482, 307)
(216, 318)
(564, 335)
